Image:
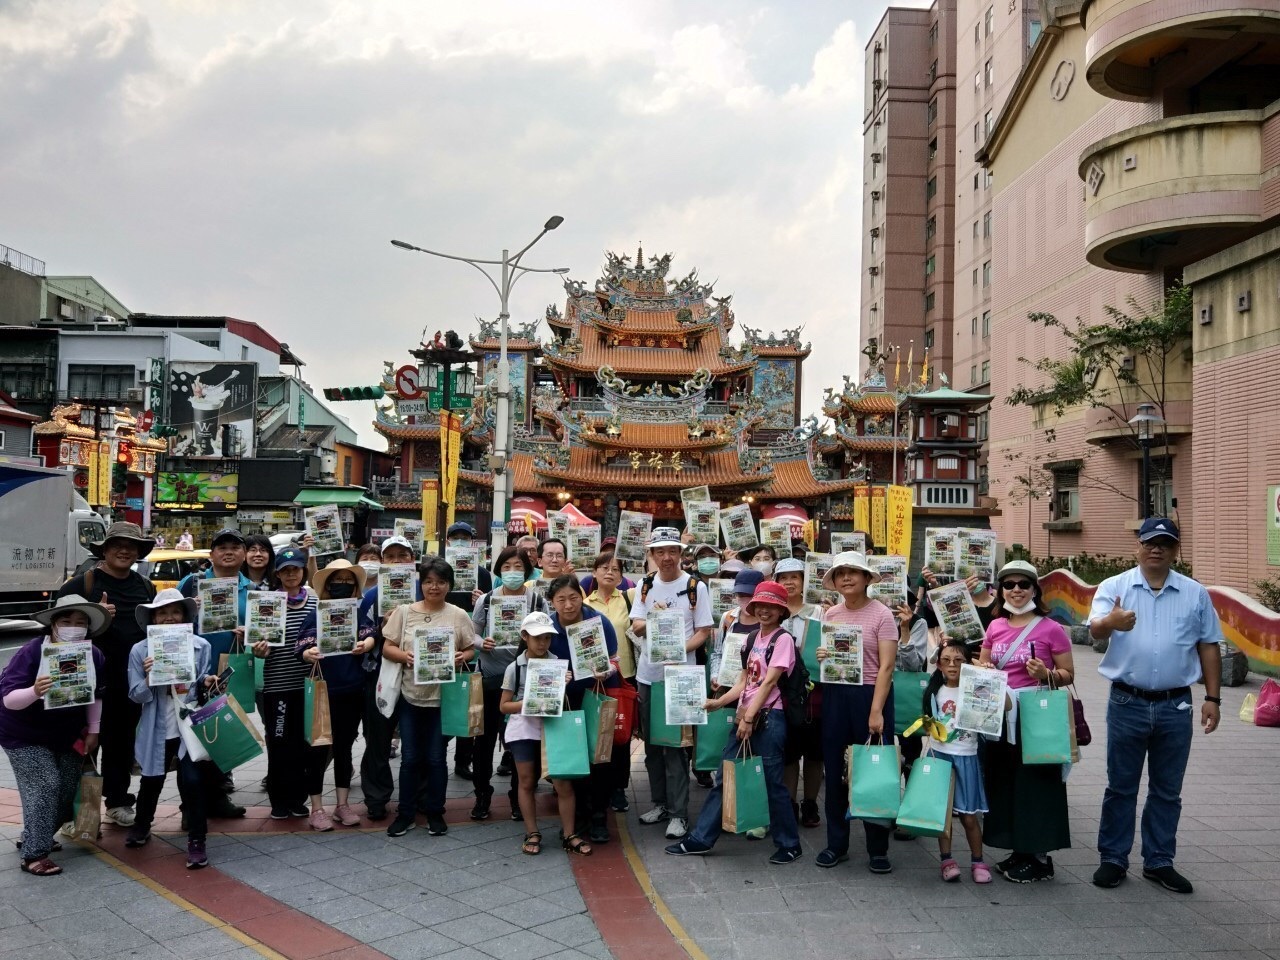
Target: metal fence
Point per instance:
(21, 261)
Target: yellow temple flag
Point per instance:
(911, 353)
(455, 458)
(898, 540)
(924, 369)
(897, 369)
(430, 510)
(879, 520)
(99, 488)
(862, 508)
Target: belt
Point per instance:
(1153, 695)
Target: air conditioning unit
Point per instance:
(874, 271)
(135, 395)
(877, 83)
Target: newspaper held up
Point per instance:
(397, 586)
(891, 588)
(664, 636)
(957, 616)
(266, 617)
(325, 527)
(414, 531)
(588, 652)
(738, 527)
(686, 696)
(816, 566)
(465, 560)
(729, 667)
(940, 551)
(336, 627)
(980, 703)
(843, 643)
(433, 649)
(849, 540)
(633, 533)
(776, 533)
(702, 520)
(505, 616)
(70, 666)
(976, 554)
(172, 649)
(584, 545)
(723, 599)
(218, 602)
(544, 682)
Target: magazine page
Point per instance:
(433, 649)
(686, 691)
(544, 683)
(976, 554)
(980, 703)
(588, 652)
(633, 533)
(505, 616)
(702, 520)
(957, 616)
(738, 527)
(70, 667)
(729, 669)
(414, 531)
(336, 628)
(397, 585)
(325, 527)
(172, 650)
(940, 551)
(217, 598)
(855, 540)
(843, 643)
(816, 566)
(266, 616)
(664, 636)
(891, 588)
(465, 560)
(777, 534)
(584, 545)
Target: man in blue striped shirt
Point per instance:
(1164, 635)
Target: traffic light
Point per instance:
(353, 393)
(124, 453)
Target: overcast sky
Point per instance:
(254, 158)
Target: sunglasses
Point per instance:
(1017, 584)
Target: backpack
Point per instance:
(690, 591)
(793, 686)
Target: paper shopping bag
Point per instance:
(88, 805)
(875, 786)
(625, 704)
(926, 803)
(462, 706)
(229, 737)
(908, 698)
(710, 740)
(241, 685)
(601, 712)
(745, 797)
(317, 724)
(661, 733)
(1044, 721)
(564, 746)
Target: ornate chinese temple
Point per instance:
(636, 392)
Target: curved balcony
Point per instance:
(1168, 193)
(1134, 48)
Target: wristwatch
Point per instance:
(1214, 700)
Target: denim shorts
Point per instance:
(525, 751)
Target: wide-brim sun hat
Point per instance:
(99, 618)
(848, 560)
(1018, 566)
(664, 537)
(124, 531)
(788, 565)
(145, 612)
(321, 577)
(537, 624)
(770, 592)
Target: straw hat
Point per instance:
(848, 560)
(321, 578)
(99, 618)
(144, 612)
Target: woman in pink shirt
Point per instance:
(1028, 804)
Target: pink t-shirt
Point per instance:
(877, 624)
(1049, 639)
(784, 658)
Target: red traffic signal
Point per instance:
(124, 453)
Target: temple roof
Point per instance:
(647, 361)
(662, 436)
(794, 480)
(408, 431)
(718, 470)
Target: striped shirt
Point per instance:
(1161, 652)
(284, 670)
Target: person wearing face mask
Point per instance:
(513, 571)
(706, 560)
(1028, 804)
(368, 559)
(42, 745)
(344, 676)
(613, 601)
(761, 558)
(463, 534)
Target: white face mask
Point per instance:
(1025, 608)
(69, 634)
(764, 566)
(370, 570)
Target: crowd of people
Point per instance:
(1162, 629)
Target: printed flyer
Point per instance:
(70, 666)
(557, 525)
(723, 598)
(588, 652)
(584, 545)
(325, 527)
(336, 630)
(544, 683)
(980, 703)
(816, 566)
(940, 551)
(846, 540)
(397, 585)
(217, 598)
(702, 520)
(465, 560)
(266, 616)
(976, 554)
(777, 534)
(691, 495)
(686, 691)
(172, 650)
(633, 534)
(738, 527)
(957, 616)
(891, 588)
(729, 669)
(843, 643)
(432, 654)
(664, 636)
(412, 530)
(505, 616)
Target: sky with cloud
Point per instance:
(253, 158)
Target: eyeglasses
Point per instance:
(953, 660)
(1017, 584)
(1160, 544)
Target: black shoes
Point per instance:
(436, 825)
(1109, 875)
(619, 801)
(505, 768)
(463, 771)
(481, 809)
(1167, 877)
(399, 827)
(1030, 870)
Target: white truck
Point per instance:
(45, 532)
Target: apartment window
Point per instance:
(986, 225)
(25, 381)
(930, 228)
(933, 71)
(986, 371)
(928, 304)
(986, 323)
(930, 264)
(988, 74)
(986, 124)
(928, 339)
(875, 241)
(933, 149)
(346, 471)
(933, 110)
(988, 176)
(977, 34)
(975, 182)
(949, 427)
(989, 20)
(96, 381)
(974, 329)
(984, 425)
(973, 375)
(933, 37)
(931, 188)
(986, 273)
(975, 276)
(976, 135)
(1161, 486)
(977, 81)
(1066, 493)
(875, 132)
(1033, 33)
(975, 229)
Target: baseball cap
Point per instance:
(1153, 527)
(291, 557)
(396, 542)
(460, 527)
(788, 565)
(664, 537)
(1019, 566)
(698, 549)
(537, 624)
(745, 583)
(227, 533)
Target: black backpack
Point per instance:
(794, 686)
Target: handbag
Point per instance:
(927, 802)
(316, 719)
(244, 666)
(462, 705)
(88, 804)
(601, 712)
(564, 746)
(1044, 721)
(1084, 736)
(908, 697)
(745, 798)
(226, 733)
(711, 739)
(875, 781)
(661, 733)
(625, 698)
(1266, 711)
(387, 692)
(195, 747)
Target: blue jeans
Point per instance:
(767, 743)
(1159, 732)
(422, 753)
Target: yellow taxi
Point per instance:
(165, 568)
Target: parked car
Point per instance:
(166, 567)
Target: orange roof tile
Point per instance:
(651, 361)
(871, 444)
(781, 351)
(656, 436)
(793, 480)
(408, 431)
(585, 469)
(870, 403)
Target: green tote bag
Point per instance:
(242, 684)
(875, 786)
(745, 798)
(661, 733)
(228, 736)
(462, 705)
(908, 698)
(926, 803)
(710, 740)
(1044, 725)
(564, 738)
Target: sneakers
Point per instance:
(344, 815)
(880, 865)
(829, 858)
(1109, 875)
(809, 813)
(138, 835)
(400, 827)
(280, 813)
(1002, 866)
(598, 832)
(196, 857)
(656, 815)
(69, 830)
(1168, 878)
(676, 828)
(688, 847)
(320, 821)
(463, 771)
(481, 809)
(789, 855)
(121, 816)
(1030, 870)
(950, 871)
(505, 767)
(436, 825)
(981, 873)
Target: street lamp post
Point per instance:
(510, 271)
(1145, 422)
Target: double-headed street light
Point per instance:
(510, 272)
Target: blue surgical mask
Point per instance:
(708, 566)
(511, 579)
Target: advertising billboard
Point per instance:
(212, 406)
(197, 491)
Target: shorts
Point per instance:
(525, 751)
(804, 742)
(971, 793)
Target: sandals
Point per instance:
(44, 867)
(56, 848)
(532, 844)
(574, 843)
(950, 871)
